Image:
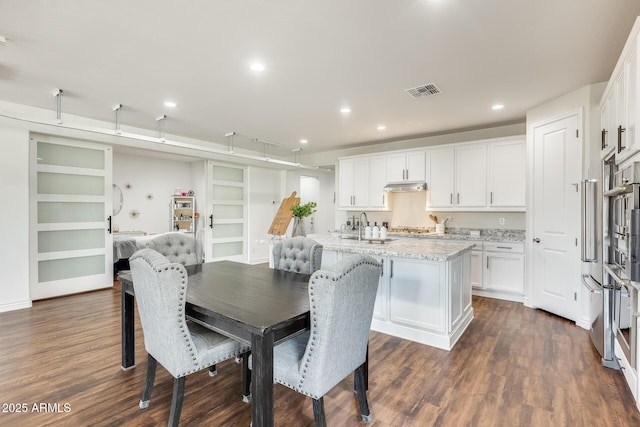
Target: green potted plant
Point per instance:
(299, 213)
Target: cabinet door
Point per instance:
(506, 173)
(504, 272)
(380, 308)
(417, 293)
(476, 269)
(440, 183)
(415, 166)
(396, 165)
(621, 110)
(346, 183)
(471, 178)
(361, 182)
(377, 181)
(605, 136)
(631, 113)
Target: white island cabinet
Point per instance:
(424, 293)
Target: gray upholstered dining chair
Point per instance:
(299, 254)
(180, 346)
(178, 247)
(341, 301)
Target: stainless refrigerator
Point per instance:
(596, 252)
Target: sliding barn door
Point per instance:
(226, 213)
(71, 248)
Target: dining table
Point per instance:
(253, 304)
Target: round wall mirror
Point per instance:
(117, 200)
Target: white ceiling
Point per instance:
(319, 55)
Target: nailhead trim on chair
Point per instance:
(182, 322)
(315, 325)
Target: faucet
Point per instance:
(362, 224)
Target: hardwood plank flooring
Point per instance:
(513, 367)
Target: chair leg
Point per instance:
(213, 371)
(318, 413)
(246, 378)
(148, 384)
(361, 391)
(176, 401)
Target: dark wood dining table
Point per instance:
(251, 303)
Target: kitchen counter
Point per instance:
(486, 235)
(424, 293)
(403, 247)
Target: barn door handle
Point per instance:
(109, 224)
(210, 221)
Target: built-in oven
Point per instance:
(624, 221)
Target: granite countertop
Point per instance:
(404, 247)
(486, 235)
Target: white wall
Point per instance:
(14, 219)
(264, 200)
(148, 176)
(325, 216)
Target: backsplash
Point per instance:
(408, 210)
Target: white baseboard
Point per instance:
(15, 306)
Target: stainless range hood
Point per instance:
(406, 186)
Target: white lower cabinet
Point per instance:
(504, 267)
(415, 287)
(380, 309)
(424, 301)
(497, 270)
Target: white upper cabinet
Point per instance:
(506, 181)
(607, 119)
(619, 105)
(440, 180)
(478, 176)
(361, 183)
(471, 176)
(406, 166)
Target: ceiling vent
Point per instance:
(423, 91)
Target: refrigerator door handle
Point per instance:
(589, 228)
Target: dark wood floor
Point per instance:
(513, 367)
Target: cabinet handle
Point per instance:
(458, 199)
(604, 139)
(620, 130)
(503, 247)
(210, 221)
(382, 269)
(383, 199)
(487, 263)
(451, 198)
(109, 224)
(391, 269)
(491, 198)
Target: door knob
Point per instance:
(536, 240)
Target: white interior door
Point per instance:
(556, 216)
(71, 247)
(226, 213)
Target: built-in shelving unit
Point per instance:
(183, 213)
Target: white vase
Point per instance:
(298, 227)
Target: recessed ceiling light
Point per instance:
(304, 141)
(257, 66)
(345, 110)
(381, 127)
(170, 104)
(497, 107)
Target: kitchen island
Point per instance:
(424, 293)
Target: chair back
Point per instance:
(161, 288)
(299, 254)
(178, 247)
(342, 301)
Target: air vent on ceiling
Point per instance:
(423, 91)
